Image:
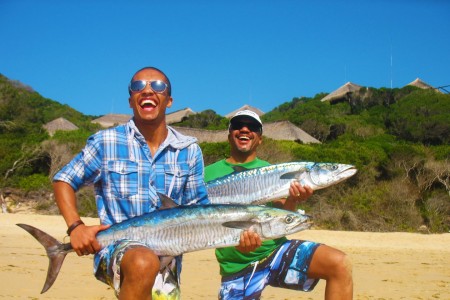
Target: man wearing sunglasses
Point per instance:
(128, 165)
(293, 264)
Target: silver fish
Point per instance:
(265, 184)
(176, 230)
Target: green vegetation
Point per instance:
(397, 138)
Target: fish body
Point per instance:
(265, 184)
(182, 229)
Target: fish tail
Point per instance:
(56, 252)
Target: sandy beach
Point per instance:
(386, 265)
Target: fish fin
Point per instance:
(56, 253)
(166, 202)
(164, 261)
(290, 175)
(238, 169)
(239, 224)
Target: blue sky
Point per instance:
(221, 55)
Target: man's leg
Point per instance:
(335, 267)
(138, 269)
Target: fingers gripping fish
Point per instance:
(182, 229)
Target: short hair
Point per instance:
(169, 86)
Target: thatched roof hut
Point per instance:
(246, 106)
(179, 115)
(286, 131)
(420, 84)
(342, 93)
(203, 135)
(281, 130)
(59, 124)
(110, 120)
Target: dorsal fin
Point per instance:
(166, 202)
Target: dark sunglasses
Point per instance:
(251, 126)
(158, 86)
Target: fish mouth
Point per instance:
(348, 172)
(304, 223)
(335, 175)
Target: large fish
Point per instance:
(265, 184)
(173, 231)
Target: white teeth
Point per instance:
(148, 102)
(246, 138)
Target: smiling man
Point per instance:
(128, 165)
(293, 264)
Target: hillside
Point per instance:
(397, 138)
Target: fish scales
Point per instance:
(177, 230)
(171, 234)
(265, 184)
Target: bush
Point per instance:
(34, 182)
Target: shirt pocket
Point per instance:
(176, 176)
(123, 178)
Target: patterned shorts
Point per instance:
(286, 267)
(166, 285)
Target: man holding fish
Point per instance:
(129, 165)
(246, 269)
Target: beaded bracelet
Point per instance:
(73, 226)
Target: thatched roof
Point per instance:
(110, 120)
(179, 115)
(59, 124)
(282, 130)
(286, 131)
(246, 106)
(203, 135)
(342, 92)
(420, 84)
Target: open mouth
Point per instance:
(147, 104)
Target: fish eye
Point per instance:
(289, 219)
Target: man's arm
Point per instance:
(82, 237)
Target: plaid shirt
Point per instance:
(127, 178)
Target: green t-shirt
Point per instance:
(230, 259)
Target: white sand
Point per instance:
(386, 265)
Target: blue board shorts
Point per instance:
(167, 284)
(286, 267)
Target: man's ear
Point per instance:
(129, 102)
(169, 101)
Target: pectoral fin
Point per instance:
(164, 261)
(245, 225)
(290, 175)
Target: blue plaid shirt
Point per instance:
(127, 178)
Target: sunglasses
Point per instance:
(158, 86)
(251, 126)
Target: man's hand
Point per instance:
(299, 193)
(83, 239)
(249, 241)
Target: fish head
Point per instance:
(278, 222)
(322, 175)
